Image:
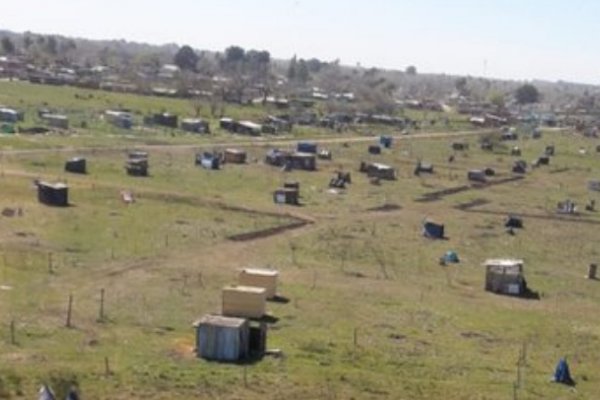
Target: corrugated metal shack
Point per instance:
(221, 338)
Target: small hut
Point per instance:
(234, 156)
(244, 301)
(137, 163)
(165, 119)
(76, 165)
(514, 222)
(460, 146)
(377, 170)
(543, 160)
(286, 196)
(519, 167)
(53, 194)
(302, 161)
(374, 149)
(549, 150)
(195, 125)
(263, 278)
(477, 175)
(307, 147)
(221, 338)
(505, 276)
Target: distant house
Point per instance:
(56, 120)
(53, 194)
(195, 125)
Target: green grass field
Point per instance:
(372, 315)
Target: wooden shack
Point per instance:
(220, 338)
(234, 156)
(53, 194)
(263, 278)
(286, 196)
(505, 276)
(76, 165)
(244, 301)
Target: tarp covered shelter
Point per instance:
(451, 257)
(433, 230)
(76, 165)
(46, 393)
(306, 147)
(195, 125)
(562, 373)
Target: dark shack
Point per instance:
(374, 149)
(195, 125)
(519, 167)
(53, 194)
(286, 196)
(221, 338)
(504, 276)
(385, 141)
(165, 119)
(477, 175)
(76, 165)
(306, 147)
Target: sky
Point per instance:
(508, 39)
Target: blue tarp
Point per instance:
(562, 373)
(307, 147)
(433, 230)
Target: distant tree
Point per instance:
(527, 94)
(302, 74)
(186, 58)
(27, 40)
(8, 47)
(411, 70)
(234, 54)
(314, 65)
(461, 85)
(52, 45)
(497, 99)
(291, 72)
